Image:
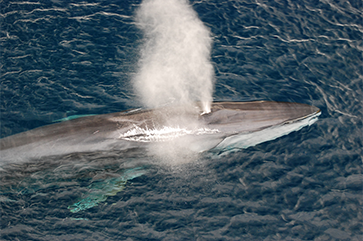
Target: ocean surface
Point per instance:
(61, 59)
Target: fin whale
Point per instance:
(106, 150)
(229, 125)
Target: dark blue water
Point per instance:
(64, 58)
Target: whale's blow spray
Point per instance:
(175, 66)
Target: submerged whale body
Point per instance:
(229, 125)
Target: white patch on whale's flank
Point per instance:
(163, 134)
(245, 140)
(175, 64)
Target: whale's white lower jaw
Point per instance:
(245, 140)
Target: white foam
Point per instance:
(166, 133)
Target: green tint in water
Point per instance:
(72, 117)
(101, 190)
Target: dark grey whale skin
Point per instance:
(102, 132)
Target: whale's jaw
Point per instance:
(245, 140)
(252, 123)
